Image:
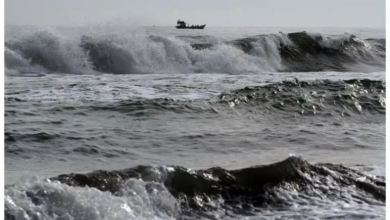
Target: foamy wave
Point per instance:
(139, 53)
(292, 188)
(43, 199)
(45, 51)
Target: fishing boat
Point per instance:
(183, 25)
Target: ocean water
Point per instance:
(118, 122)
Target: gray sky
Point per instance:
(277, 13)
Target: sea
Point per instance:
(126, 122)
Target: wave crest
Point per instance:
(45, 50)
(141, 53)
(178, 191)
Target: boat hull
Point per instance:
(200, 27)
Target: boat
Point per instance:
(183, 25)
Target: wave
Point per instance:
(321, 98)
(45, 51)
(174, 192)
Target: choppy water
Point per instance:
(223, 123)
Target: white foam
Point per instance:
(136, 200)
(54, 52)
(135, 52)
(111, 88)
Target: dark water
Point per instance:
(261, 126)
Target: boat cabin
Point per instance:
(181, 23)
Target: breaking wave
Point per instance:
(46, 51)
(292, 188)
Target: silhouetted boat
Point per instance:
(183, 25)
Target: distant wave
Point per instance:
(45, 51)
(179, 192)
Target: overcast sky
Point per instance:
(276, 13)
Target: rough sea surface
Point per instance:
(110, 122)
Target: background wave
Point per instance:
(140, 53)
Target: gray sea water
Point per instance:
(158, 107)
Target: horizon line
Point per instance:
(249, 26)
